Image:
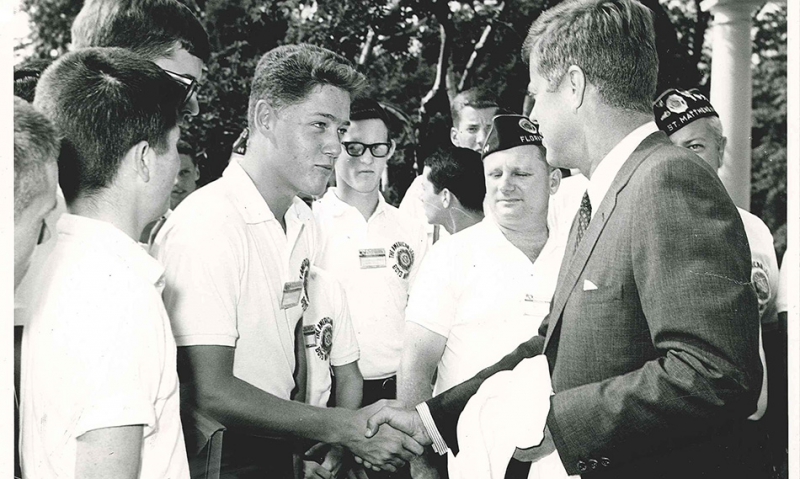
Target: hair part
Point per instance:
(287, 74)
(36, 147)
(476, 98)
(460, 170)
(102, 102)
(151, 28)
(611, 41)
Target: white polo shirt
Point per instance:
(484, 295)
(327, 333)
(235, 278)
(98, 352)
(375, 261)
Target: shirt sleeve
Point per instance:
(345, 345)
(122, 349)
(433, 301)
(202, 262)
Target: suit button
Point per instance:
(581, 466)
(592, 463)
(605, 462)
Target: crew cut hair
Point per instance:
(287, 74)
(477, 98)
(36, 146)
(151, 28)
(460, 170)
(102, 102)
(612, 41)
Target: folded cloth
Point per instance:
(508, 411)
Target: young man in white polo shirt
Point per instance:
(100, 395)
(370, 247)
(237, 255)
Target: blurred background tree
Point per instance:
(420, 53)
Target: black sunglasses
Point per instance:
(189, 83)
(356, 149)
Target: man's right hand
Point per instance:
(383, 447)
(405, 420)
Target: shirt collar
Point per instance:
(609, 166)
(103, 236)
(252, 206)
(339, 207)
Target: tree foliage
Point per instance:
(397, 44)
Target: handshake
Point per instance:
(385, 435)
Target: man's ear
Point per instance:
(264, 117)
(141, 155)
(555, 180)
(723, 142)
(196, 173)
(446, 198)
(576, 83)
(454, 136)
(391, 150)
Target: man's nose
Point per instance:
(192, 107)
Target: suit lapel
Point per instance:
(572, 269)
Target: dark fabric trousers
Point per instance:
(251, 457)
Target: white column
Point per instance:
(732, 89)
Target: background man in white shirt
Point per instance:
(472, 112)
(482, 289)
(237, 255)
(35, 179)
(100, 394)
(453, 188)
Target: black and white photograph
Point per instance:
(401, 239)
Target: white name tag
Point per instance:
(292, 291)
(372, 258)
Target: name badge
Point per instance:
(309, 336)
(372, 258)
(292, 291)
(533, 306)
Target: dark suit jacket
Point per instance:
(655, 371)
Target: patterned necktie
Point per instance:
(584, 216)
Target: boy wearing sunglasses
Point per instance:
(370, 246)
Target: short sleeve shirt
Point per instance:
(98, 353)
(235, 278)
(764, 273)
(484, 295)
(328, 335)
(376, 261)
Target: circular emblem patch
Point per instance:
(404, 259)
(323, 335)
(528, 126)
(760, 282)
(304, 267)
(676, 104)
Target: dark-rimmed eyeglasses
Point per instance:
(189, 83)
(356, 149)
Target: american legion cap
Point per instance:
(675, 109)
(509, 131)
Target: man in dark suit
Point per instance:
(652, 336)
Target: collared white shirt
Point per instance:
(609, 166)
(328, 335)
(484, 295)
(376, 261)
(228, 265)
(98, 352)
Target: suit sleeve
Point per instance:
(691, 269)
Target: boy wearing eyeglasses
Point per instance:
(372, 248)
